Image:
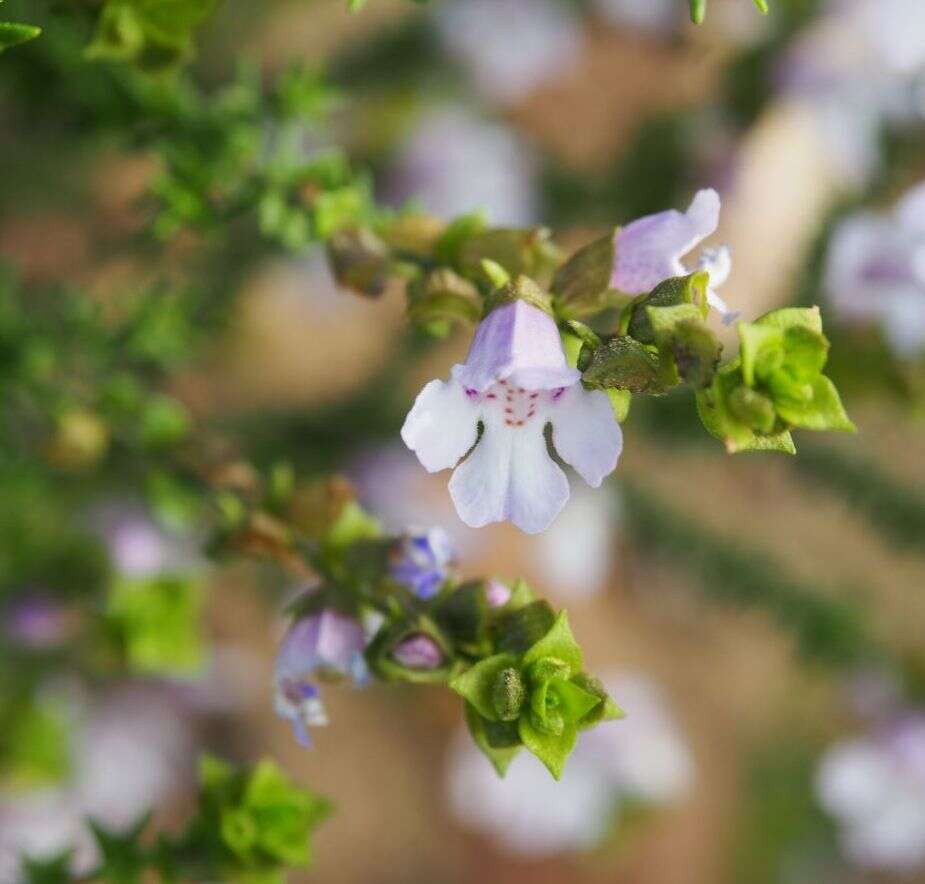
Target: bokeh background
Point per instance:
(720, 595)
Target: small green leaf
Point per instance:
(575, 702)
(806, 352)
(500, 757)
(12, 34)
(690, 289)
(761, 349)
(698, 11)
(450, 242)
(752, 408)
(720, 421)
(558, 643)
(623, 363)
(552, 749)
(477, 684)
(521, 625)
(824, 411)
(681, 334)
(360, 261)
(580, 285)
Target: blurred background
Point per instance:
(762, 618)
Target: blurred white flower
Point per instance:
(641, 758)
(858, 67)
(510, 47)
(454, 163)
(577, 553)
(875, 787)
(875, 272)
(133, 750)
(658, 17)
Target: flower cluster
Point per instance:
(392, 608)
(561, 347)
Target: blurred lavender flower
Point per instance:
(454, 163)
(422, 561)
(641, 759)
(576, 555)
(539, 41)
(875, 788)
(514, 382)
(875, 272)
(137, 546)
(860, 66)
(37, 622)
(650, 250)
(418, 652)
(327, 645)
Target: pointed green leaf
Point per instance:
(581, 284)
(553, 750)
(761, 350)
(792, 317)
(558, 643)
(500, 757)
(477, 684)
(575, 702)
(806, 352)
(823, 412)
(12, 34)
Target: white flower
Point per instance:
(514, 383)
(875, 787)
(651, 249)
(876, 272)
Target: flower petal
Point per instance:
(510, 476)
(520, 343)
(649, 250)
(586, 434)
(441, 426)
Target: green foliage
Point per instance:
(538, 698)
(157, 623)
(153, 35)
(256, 822)
(775, 385)
(249, 825)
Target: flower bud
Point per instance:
(418, 651)
(497, 594)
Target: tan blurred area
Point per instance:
(298, 343)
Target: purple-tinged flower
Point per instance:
(876, 272)
(497, 594)
(327, 645)
(453, 161)
(37, 622)
(418, 651)
(514, 382)
(422, 561)
(650, 250)
(875, 788)
(504, 67)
